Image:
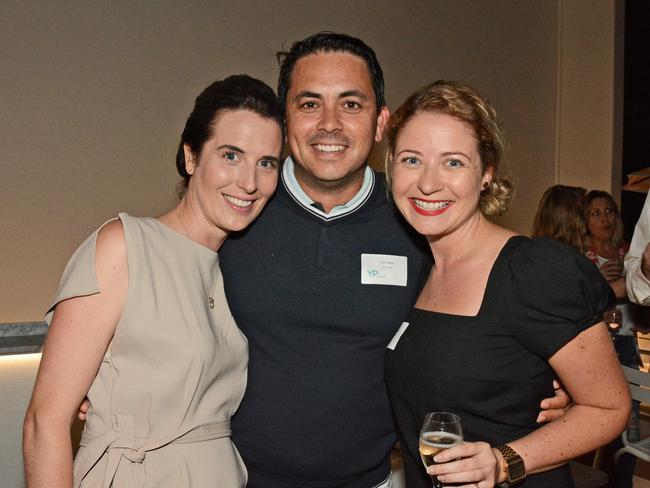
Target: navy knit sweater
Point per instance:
(316, 413)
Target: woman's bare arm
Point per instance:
(81, 329)
(589, 369)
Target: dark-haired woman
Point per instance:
(560, 216)
(500, 316)
(140, 323)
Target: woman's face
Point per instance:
(237, 170)
(436, 173)
(601, 219)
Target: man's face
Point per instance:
(332, 119)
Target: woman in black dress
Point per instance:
(500, 316)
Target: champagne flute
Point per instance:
(440, 430)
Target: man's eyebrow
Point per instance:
(307, 94)
(354, 93)
(232, 148)
(348, 93)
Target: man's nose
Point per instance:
(329, 120)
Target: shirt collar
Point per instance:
(298, 194)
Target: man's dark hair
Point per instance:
(328, 42)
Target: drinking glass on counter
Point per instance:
(440, 430)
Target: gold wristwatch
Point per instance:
(514, 468)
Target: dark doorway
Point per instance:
(636, 105)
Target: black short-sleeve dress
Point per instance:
(492, 369)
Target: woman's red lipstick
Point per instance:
(430, 207)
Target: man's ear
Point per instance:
(382, 120)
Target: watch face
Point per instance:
(516, 470)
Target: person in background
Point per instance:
(606, 249)
(140, 323)
(637, 260)
(604, 242)
(560, 216)
(500, 316)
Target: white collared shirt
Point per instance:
(638, 286)
(298, 194)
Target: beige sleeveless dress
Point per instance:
(173, 375)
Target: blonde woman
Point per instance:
(500, 316)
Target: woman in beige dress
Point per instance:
(140, 324)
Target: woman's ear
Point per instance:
(190, 163)
(487, 178)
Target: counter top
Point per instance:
(22, 337)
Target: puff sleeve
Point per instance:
(554, 294)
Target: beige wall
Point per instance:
(94, 95)
(589, 110)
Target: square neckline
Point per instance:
(497, 262)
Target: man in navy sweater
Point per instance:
(321, 281)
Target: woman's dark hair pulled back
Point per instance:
(237, 92)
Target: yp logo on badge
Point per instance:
(384, 269)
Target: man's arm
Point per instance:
(637, 260)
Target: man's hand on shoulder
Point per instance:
(555, 407)
(83, 410)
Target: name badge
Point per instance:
(384, 269)
(393, 342)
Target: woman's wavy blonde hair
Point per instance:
(462, 102)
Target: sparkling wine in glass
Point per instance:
(440, 430)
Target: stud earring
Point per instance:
(486, 184)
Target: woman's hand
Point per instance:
(472, 464)
(612, 270)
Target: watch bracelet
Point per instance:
(508, 453)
